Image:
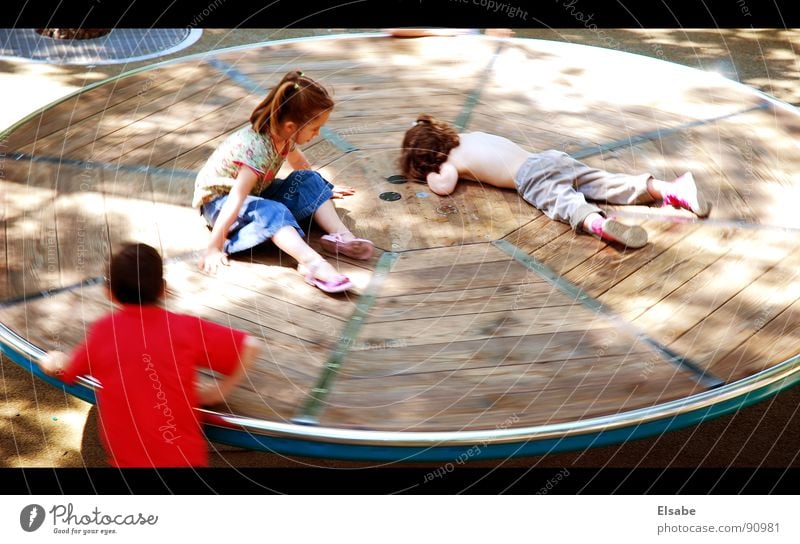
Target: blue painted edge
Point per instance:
(458, 455)
(445, 454)
(80, 391)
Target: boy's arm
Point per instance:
(67, 367)
(53, 363)
(214, 393)
(445, 181)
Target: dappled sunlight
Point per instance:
(778, 204)
(453, 313)
(21, 196)
(39, 427)
(23, 86)
(46, 437)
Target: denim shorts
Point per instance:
(285, 202)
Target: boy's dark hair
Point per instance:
(425, 147)
(296, 98)
(136, 274)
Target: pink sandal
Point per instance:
(357, 248)
(336, 284)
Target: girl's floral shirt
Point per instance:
(245, 147)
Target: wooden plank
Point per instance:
(568, 251)
(357, 269)
(277, 385)
(76, 136)
(450, 278)
(82, 231)
(775, 341)
(458, 328)
(669, 270)
(551, 76)
(606, 268)
(283, 314)
(197, 139)
(748, 258)
(269, 281)
(455, 256)
(57, 322)
(536, 233)
(391, 357)
(129, 209)
(321, 152)
(536, 133)
(179, 132)
(533, 294)
(194, 158)
(390, 225)
(745, 313)
(32, 247)
(159, 136)
(80, 107)
(451, 402)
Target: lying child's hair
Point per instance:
(296, 98)
(425, 147)
(136, 274)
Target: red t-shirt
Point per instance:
(146, 359)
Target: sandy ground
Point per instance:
(41, 426)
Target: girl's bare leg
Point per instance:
(327, 217)
(288, 240)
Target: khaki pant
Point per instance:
(559, 186)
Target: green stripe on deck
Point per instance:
(310, 410)
(576, 293)
(659, 133)
(474, 96)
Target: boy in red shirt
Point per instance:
(146, 359)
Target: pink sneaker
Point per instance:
(684, 194)
(632, 236)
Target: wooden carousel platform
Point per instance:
(479, 320)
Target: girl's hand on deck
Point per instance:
(341, 191)
(212, 260)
